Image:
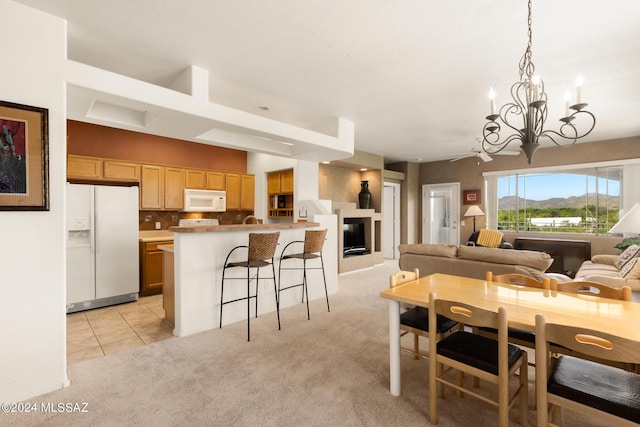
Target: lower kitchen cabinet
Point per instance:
(151, 267)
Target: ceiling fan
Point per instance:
(481, 154)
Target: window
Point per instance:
(577, 200)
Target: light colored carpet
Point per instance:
(332, 370)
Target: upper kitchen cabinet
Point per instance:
(80, 167)
(204, 180)
(121, 171)
(195, 179)
(280, 182)
(161, 188)
(83, 168)
(173, 188)
(240, 192)
(247, 192)
(215, 180)
(151, 187)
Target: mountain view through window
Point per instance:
(583, 201)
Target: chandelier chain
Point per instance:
(526, 64)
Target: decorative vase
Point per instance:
(364, 197)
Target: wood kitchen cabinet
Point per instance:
(233, 191)
(215, 180)
(280, 182)
(114, 170)
(97, 169)
(195, 179)
(151, 187)
(151, 263)
(161, 188)
(204, 180)
(173, 189)
(80, 167)
(280, 191)
(247, 192)
(240, 192)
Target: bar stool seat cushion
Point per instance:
(252, 263)
(599, 386)
(476, 350)
(301, 256)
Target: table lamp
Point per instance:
(474, 211)
(629, 223)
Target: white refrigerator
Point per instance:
(102, 246)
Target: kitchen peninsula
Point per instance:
(199, 253)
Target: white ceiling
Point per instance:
(412, 75)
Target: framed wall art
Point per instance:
(471, 197)
(24, 157)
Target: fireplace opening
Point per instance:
(354, 241)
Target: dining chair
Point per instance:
(312, 249)
(516, 336)
(488, 359)
(415, 320)
(593, 289)
(260, 253)
(584, 386)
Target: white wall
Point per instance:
(305, 179)
(32, 259)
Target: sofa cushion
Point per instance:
(631, 252)
(604, 259)
(590, 267)
(449, 251)
(537, 260)
(631, 269)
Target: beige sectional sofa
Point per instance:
(602, 269)
(472, 261)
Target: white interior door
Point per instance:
(441, 213)
(391, 220)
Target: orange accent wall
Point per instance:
(85, 139)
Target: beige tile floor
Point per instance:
(95, 333)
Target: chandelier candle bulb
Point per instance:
(579, 82)
(492, 100)
(567, 99)
(536, 87)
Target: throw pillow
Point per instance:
(489, 238)
(631, 270)
(628, 254)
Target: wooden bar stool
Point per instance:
(260, 253)
(313, 244)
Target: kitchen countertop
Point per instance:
(155, 235)
(242, 227)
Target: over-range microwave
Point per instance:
(204, 200)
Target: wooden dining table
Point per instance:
(522, 303)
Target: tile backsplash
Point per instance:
(147, 219)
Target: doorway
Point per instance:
(391, 220)
(440, 213)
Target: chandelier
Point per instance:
(527, 114)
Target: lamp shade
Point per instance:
(629, 223)
(474, 210)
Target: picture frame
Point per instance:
(471, 197)
(24, 157)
